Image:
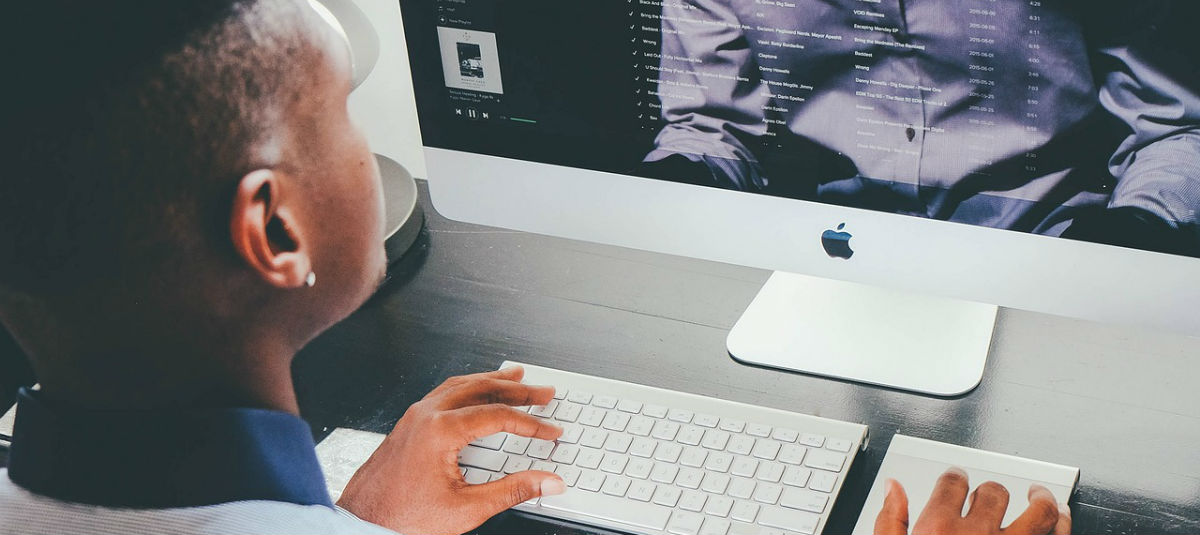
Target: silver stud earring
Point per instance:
(311, 280)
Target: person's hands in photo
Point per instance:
(412, 483)
(943, 513)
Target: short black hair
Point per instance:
(127, 122)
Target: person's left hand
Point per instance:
(412, 483)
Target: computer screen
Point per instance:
(1027, 116)
(1048, 118)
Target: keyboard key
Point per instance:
(692, 501)
(632, 407)
(545, 411)
(785, 435)
(685, 523)
(491, 442)
(715, 526)
(689, 478)
(565, 454)
(690, 435)
(616, 485)
(744, 466)
(477, 477)
(544, 466)
(589, 459)
(641, 491)
(540, 449)
(823, 481)
(797, 521)
(593, 438)
(718, 462)
(738, 528)
(668, 452)
(715, 440)
(567, 412)
(620, 510)
(744, 511)
(560, 393)
(614, 463)
(591, 481)
(741, 445)
(810, 439)
(640, 426)
(591, 416)
(770, 472)
(618, 443)
(839, 444)
(733, 426)
(615, 421)
(796, 476)
(605, 402)
(571, 433)
(758, 430)
(664, 473)
(481, 458)
(516, 444)
(643, 447)
(766, 449)
(580, 397)
(715, 483)
(516, 464)
(768, 493)
(693, 457)
(804, 500)
(741, 488)
(825, 460)
(719, 506)
(654, 411)
(706, 420)
(667, 495)
(570, 474)
(665, 430)
(639, 468)
(792, 454)
(680, 415)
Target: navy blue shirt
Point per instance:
(161, 459)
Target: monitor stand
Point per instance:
(867, 334)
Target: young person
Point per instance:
(185, 205)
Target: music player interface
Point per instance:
(1056, 117)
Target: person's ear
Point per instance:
(266, 233)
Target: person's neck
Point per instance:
(192, 376)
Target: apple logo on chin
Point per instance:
(837, 243)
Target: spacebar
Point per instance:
(622, 510)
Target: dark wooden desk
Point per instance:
(1122, 405)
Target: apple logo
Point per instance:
(837, 243)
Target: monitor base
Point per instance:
(906, 341)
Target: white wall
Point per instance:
(383, 105)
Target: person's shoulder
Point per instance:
(24, 512)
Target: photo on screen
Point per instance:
(470, 60)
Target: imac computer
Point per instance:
(905, 167)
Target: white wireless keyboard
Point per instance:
(646, 460)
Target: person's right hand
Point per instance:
(412, 483)
(943, 513)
